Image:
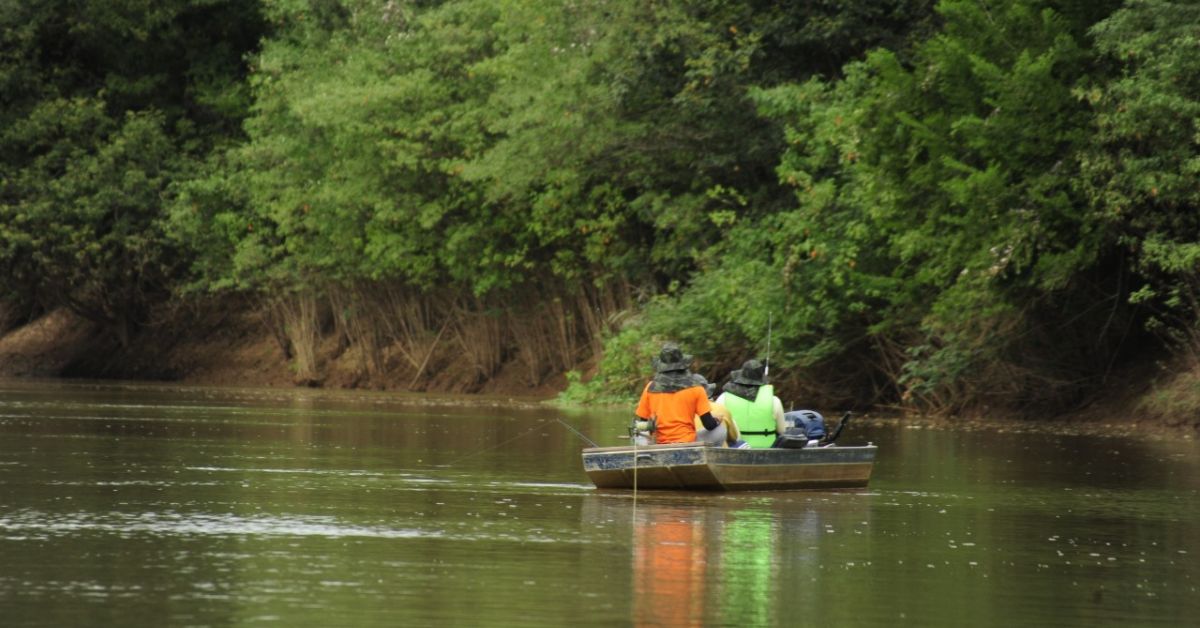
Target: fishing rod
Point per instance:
(577, 432)
(767, 366)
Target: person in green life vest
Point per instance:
(751, 401)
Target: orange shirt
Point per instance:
(675, 412)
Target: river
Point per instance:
(145, 505)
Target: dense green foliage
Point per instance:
(949, 206)
(103, 106)
(1140, 171)
(942, 204)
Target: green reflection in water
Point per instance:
(748, 545)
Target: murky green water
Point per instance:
(154, 506)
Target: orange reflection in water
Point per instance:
(670, 562)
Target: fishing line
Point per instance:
(485, 450)
(577, 432)
(635, 467)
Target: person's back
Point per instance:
(674, 412)
(753, 405)
(673, 399)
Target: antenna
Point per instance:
(767, 367)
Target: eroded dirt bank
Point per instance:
(235, 348)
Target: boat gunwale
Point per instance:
(789, 455)
(729, 469)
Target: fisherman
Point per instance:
(672, 400)
(756, 410)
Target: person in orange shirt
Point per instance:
(673, 400)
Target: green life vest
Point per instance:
(755, 419)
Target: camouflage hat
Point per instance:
(710, 389)
(671, 358)
(752, 373)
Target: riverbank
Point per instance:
(1102, 425)
(236, 347)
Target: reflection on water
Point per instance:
(738, 559)
(670, 567)
(157, 506)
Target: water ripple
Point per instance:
(295, 471)
(37, 523)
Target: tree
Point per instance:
(938, 235)
(1139, 172)
(105, 105)
(85, 229)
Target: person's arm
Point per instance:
(780, 421)
(644, 411)
(704, 409)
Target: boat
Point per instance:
(696, 466)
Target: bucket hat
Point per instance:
(671, 358)
(710, 389)
(752, 373)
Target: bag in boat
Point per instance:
(804, 426)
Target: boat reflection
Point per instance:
(670, 557)
(721, 559)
